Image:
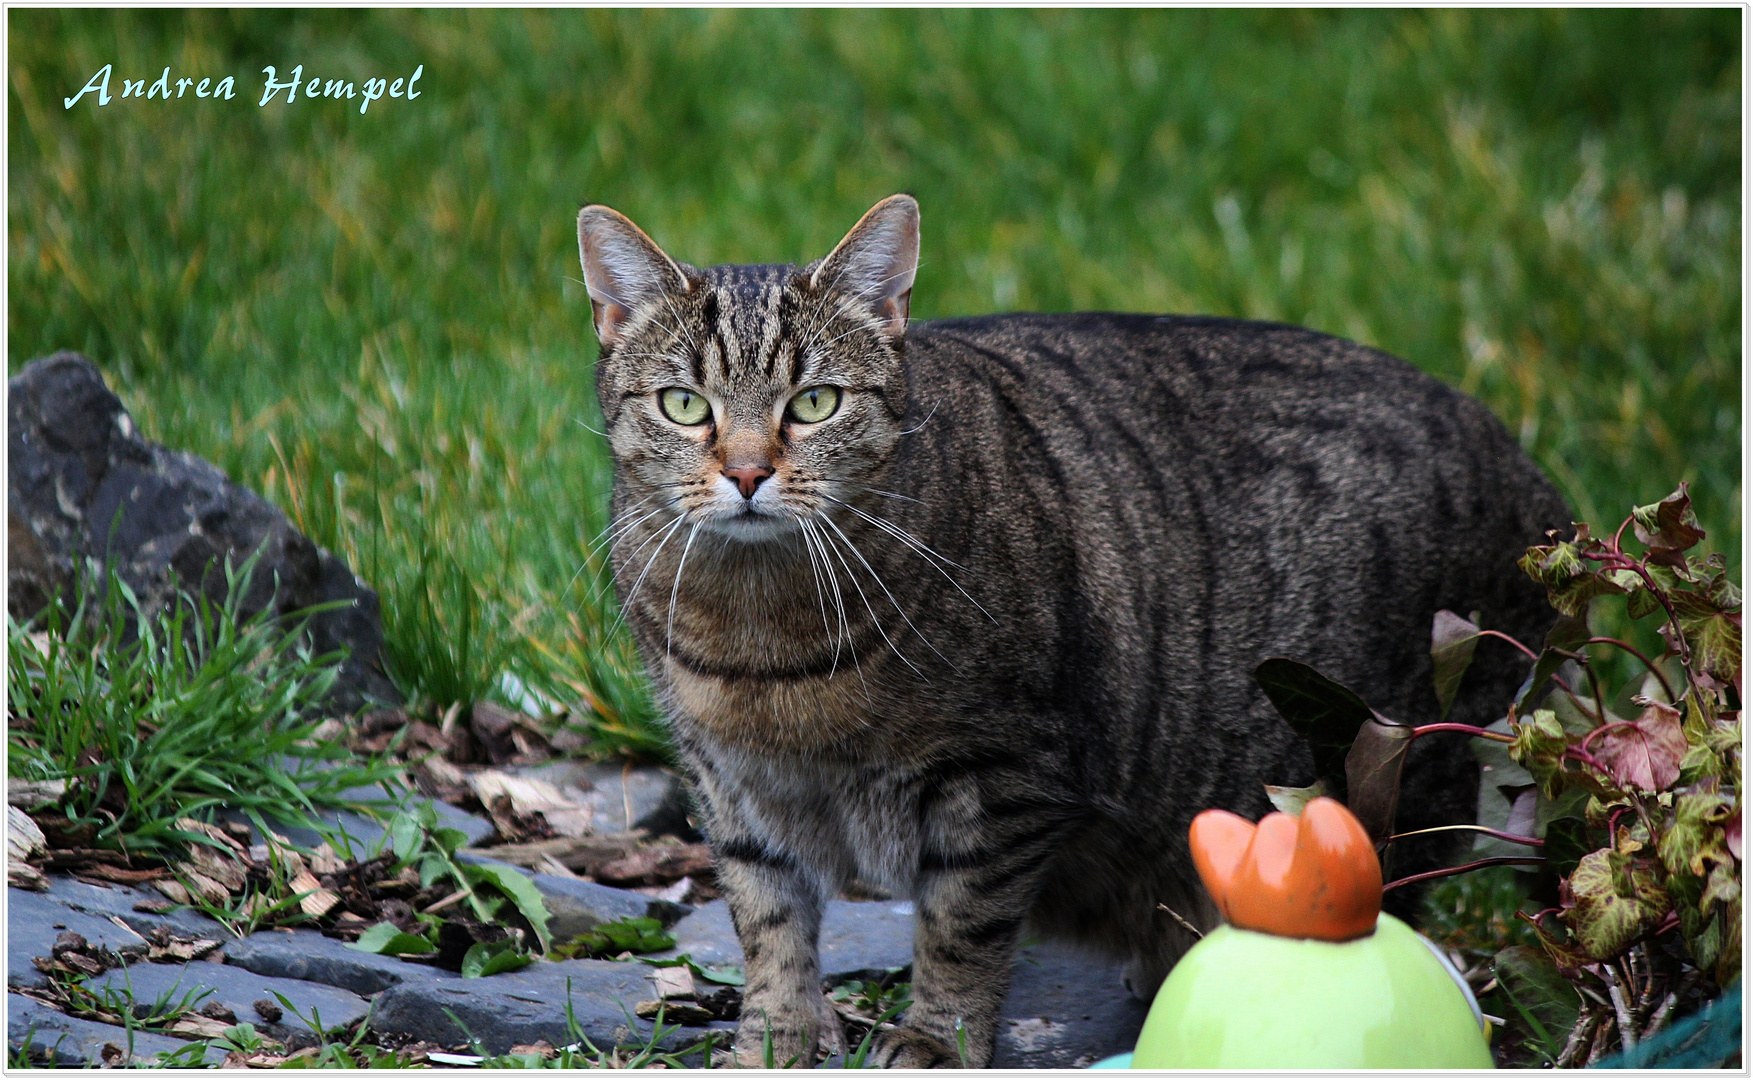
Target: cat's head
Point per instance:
(750, 397)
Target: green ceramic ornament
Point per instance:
(1309, 974)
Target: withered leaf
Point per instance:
(1668, 527)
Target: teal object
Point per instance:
(1708, 1039)
(1245, 1000)
(1118, 1061)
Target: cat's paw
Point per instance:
(794, 1039)
(907, 1048)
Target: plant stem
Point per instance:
(1532, 655)
(1621, 1009)
(1617, 533)
(1478, 864)
(1465, 729)
(1511, 837)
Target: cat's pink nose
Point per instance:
(749, 478)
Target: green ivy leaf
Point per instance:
(1616, 898)
(1567, 841)
(1668, 527)
(1641, 603)
(1539, 748)
(491, 957)
(1714, 635)
(1452, 641)
(386, 939)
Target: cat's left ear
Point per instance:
(876, 261)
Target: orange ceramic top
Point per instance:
(1313, 876)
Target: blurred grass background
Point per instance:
(376, 319)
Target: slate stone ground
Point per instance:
(1065, 1009)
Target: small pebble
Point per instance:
(268, 1010)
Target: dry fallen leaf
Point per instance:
(673, 982)
(319, 900)
(530, 796)
(196, 1026)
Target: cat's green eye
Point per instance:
(814, 405)
(683, 406)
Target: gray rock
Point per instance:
(502, 1011)
(66, 1040)
(577, 905)
(1066, 1009)
(236, 989)
(105, 901)
(34, 920)
(857, 937)
(84, 487)
(308, 955)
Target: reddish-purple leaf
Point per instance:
(1645, 753)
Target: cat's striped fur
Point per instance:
(984, 636)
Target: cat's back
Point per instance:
(1230, 406)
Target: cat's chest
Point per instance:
(845, 819)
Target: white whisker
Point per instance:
(675, 589)
(899, 610)
(896, 649)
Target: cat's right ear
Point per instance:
(623, 270)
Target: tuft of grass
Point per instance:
(152, 717)
(376, 319)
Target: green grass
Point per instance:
(144, 715)
(376, 319)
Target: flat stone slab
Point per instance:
(66, 1040)
(238, 990)
(308, 955)
(34, 920)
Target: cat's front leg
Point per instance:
(978, 878)
(776, 907)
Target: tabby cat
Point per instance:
(968, 610)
